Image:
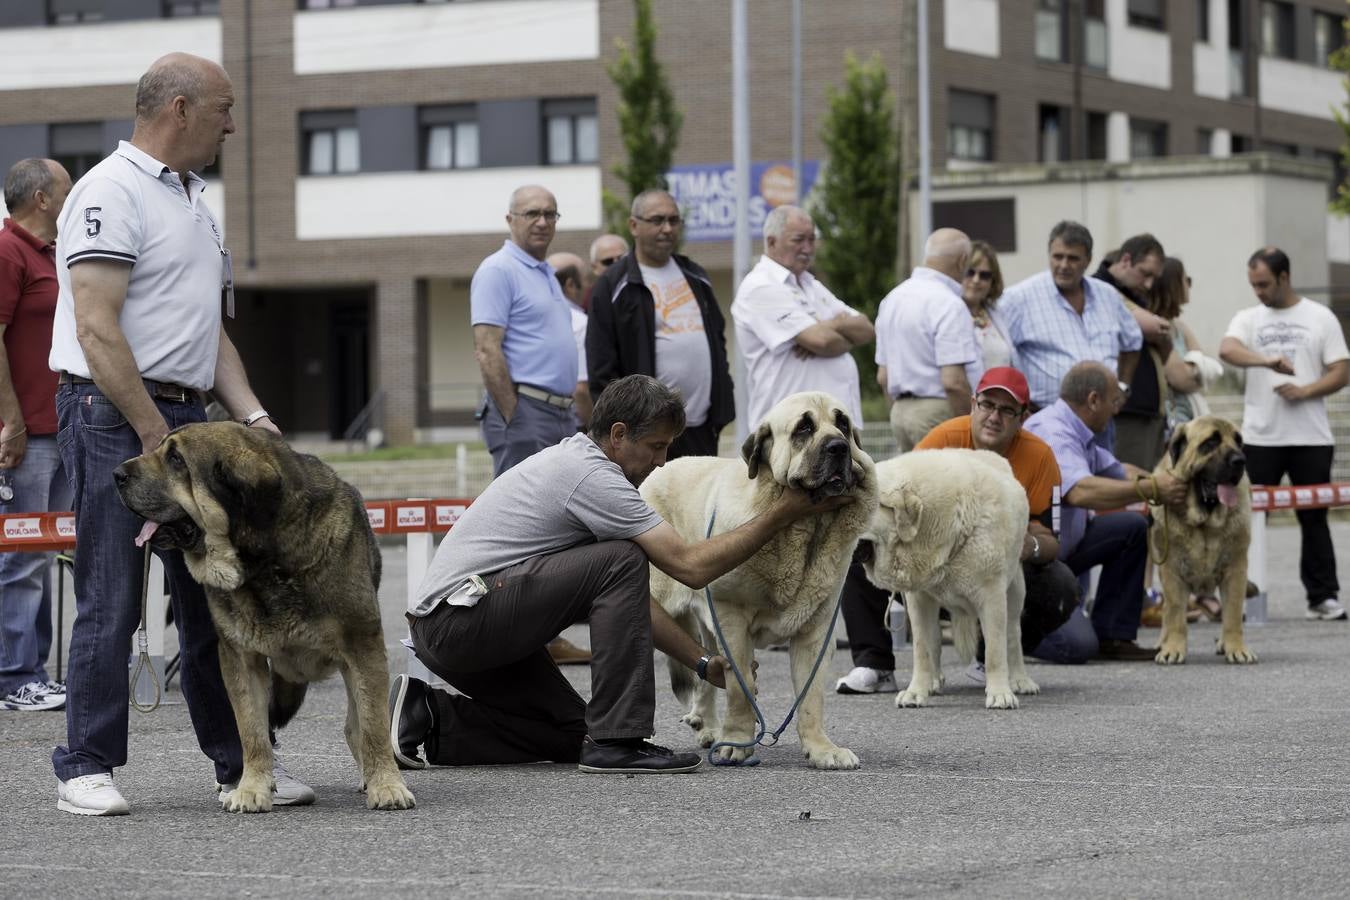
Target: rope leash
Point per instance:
(1156, 501)
(762, 726)
(143, 663)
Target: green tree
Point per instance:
(857, 201)
(1340, 60)
(649, 120)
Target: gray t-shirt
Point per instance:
(563, 496)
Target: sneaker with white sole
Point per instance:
(56, 687)
(91, 795)
(975, 673)
(289, 790)
(863, 680)
(1328, 610)
(33, 696)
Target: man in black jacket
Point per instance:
(653, 312)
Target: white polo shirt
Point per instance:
(772, 307)
(923, 325)
(132, 208)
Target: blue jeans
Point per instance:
(1118, 542)
(94, 439)
(40, 485)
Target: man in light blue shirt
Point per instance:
(1092, 479)
(1061, 317)
(522, 337)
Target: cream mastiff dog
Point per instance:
(786, 591)
(1205, 539)
(948, 532)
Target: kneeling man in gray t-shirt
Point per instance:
(561, 538)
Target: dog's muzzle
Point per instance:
(833, 471)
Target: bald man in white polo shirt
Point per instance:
(927, 357)
(142, 269)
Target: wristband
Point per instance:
(255, 416)
(1035, 547)
(701, 669)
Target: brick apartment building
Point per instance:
(378, 141)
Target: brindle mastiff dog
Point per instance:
(290, 568)
(1205, 539)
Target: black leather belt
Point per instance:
(160, 390)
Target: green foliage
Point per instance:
(1340, 61)
(857, 202)
(649, 120)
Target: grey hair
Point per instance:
(595, 244)
(777, 220)
(178, 75)
(26, 177)
(1083, 379)
(638, 401)
(1073, 235)
(641, 200)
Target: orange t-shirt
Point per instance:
(1032, 460)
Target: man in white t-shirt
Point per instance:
(795, 334)
(570, 272)
(653, 312)
(1295, 355)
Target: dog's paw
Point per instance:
(1235, 652)
(1170, 653)
(251, 796)
(734, 755)
(1000, 698)
(693, 720)
(389, 793)
(910, 698)
(1022, 684)
(831, 757)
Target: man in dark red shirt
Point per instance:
(31, 476)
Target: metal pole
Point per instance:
(740, 139)
(797, 100)
(925, 130)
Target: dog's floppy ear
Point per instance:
(1178, 446)
(905, 506)
(249, 489)
(755, 449)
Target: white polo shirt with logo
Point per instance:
(132, 208)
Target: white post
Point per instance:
(421, 548)
(925, 130)
(797, 101)
(740, 142)
(461, 470)
(1256, 553)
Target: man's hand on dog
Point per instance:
(1171, 490)
(719, 667)
(794, 503)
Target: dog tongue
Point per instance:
(146, 530)
(1228, 495)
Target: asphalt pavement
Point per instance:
(1118, 780)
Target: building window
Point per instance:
(74, 12)
(76, 145)
(1279, 148)
(1096, 135)
(449, 136)
(1277, 29)
(1053, 128)
(1204, 141)
(1147, 14)
(1237, 49)
(1328, 37)
(571, 132)
(1202, 21)
(175, 8)
(1241, 144)
(1148, 139)
(1338, 170)
(332, 143)
(1095, 41)
(970, 126)
(1050, 43)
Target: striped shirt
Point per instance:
(1049, 337)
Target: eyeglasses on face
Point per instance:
(981, 274)
(659, 221)
(531, 215)
(610, 260)
(989, 407)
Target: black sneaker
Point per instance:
(634, 756)
(411, 720)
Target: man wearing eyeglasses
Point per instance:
(1093, 479)
(522, 337)
(653, 312)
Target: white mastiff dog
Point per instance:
(786, 591)
(949, 533)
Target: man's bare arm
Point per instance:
(14, 435)
(1126, 363)
(821, 339)
(231, 386)
(957, 387)
(487, 349)
(1332, 380)
(856, 328)
(100, 290)
(1236, 353)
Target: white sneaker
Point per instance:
(863, 680)
(91, 795)
(975, 672)
(289, 790)
(1328, 610)
(33, 696)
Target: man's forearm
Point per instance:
(11, 413)
(708, 560)
(856, 329)
(674, 641)
(1126, 363)
(1236, 353)
(959, 400)
(1332, 380)
(114, 370)
(1098, 492)
(497, 380)
(231, 386)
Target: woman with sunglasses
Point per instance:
(981, 288)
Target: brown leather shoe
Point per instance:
(1124, 651)
(566, 653)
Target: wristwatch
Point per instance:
(701, 669)
(1035, 547)
(256, 416)
(1124, 386)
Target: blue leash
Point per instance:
(763, 728)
